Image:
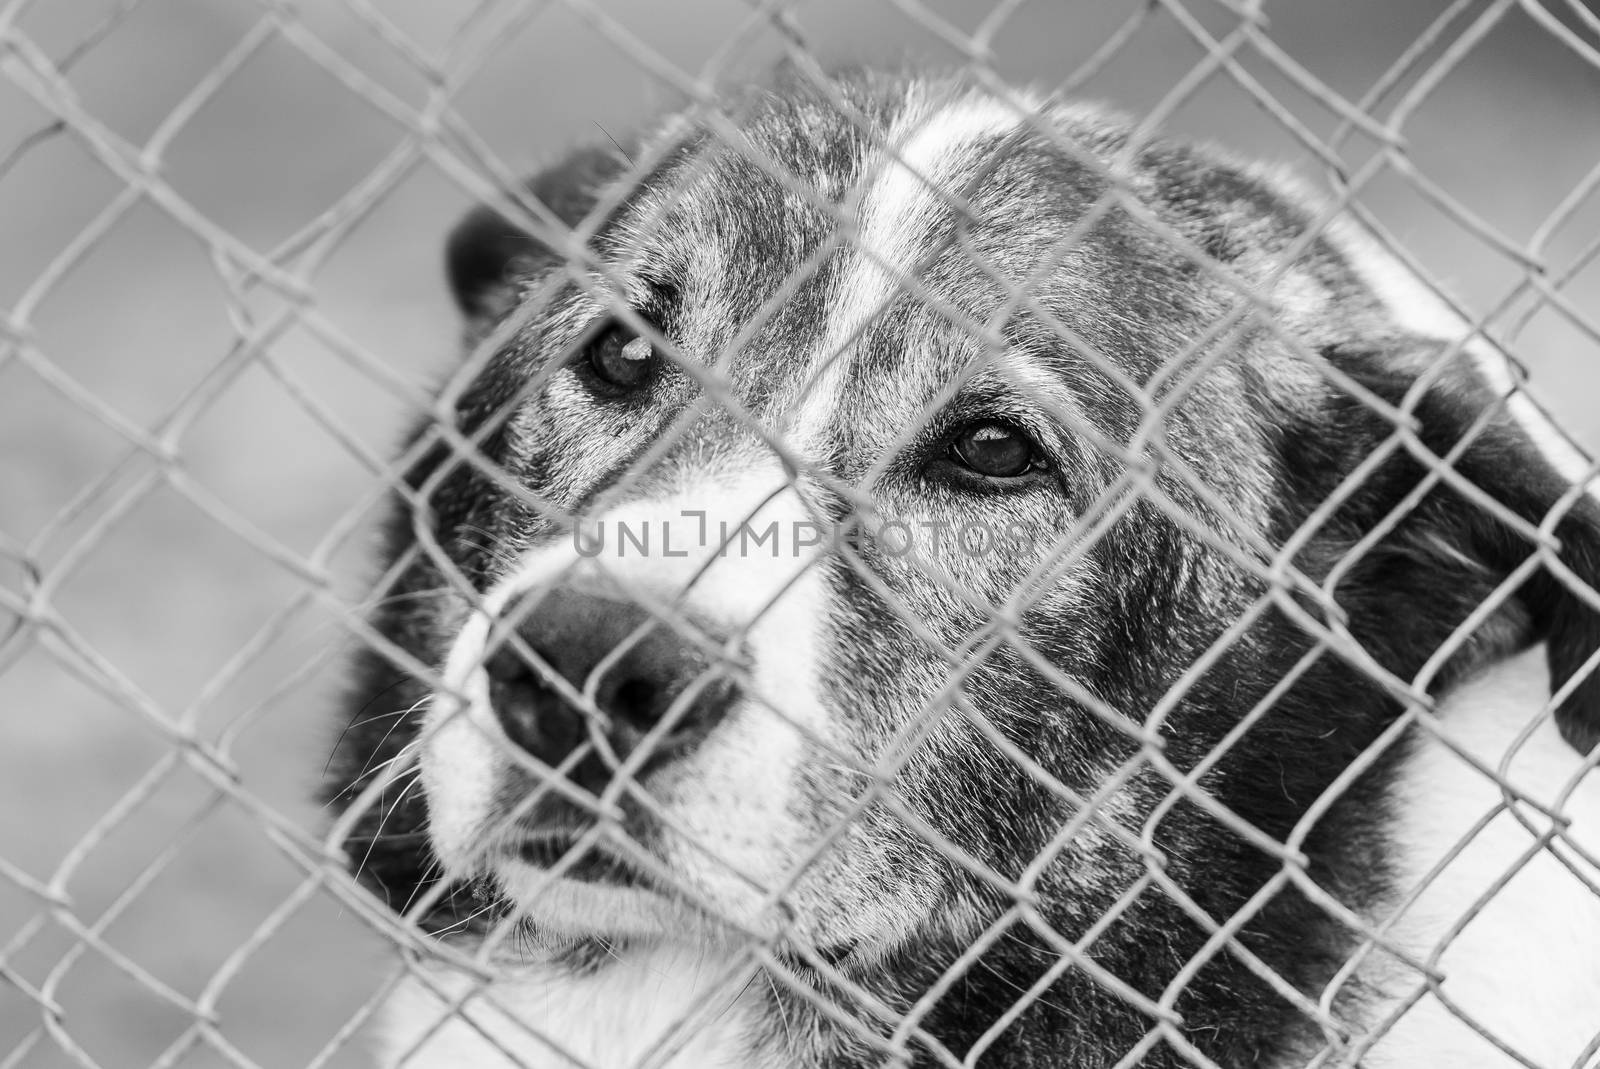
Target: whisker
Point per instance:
(461, 924)
(407, 751)
(354, 720)
(407, 595)
(491, 549)
(418, 704)
(432, 870)
(387, 813)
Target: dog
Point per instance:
(926, 574)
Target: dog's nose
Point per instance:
(641, 666)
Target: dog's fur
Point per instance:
(1018, 807)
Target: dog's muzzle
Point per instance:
(655, 686)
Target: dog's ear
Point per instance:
(1451, 549)
(487, 253)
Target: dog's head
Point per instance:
(906, 500)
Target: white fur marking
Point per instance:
(1527, 967)
(613, 1019)
(896, 218)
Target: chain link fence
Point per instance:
(222, 227)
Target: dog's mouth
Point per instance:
(571, 857)
(573, 846)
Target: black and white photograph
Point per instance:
(799, 534)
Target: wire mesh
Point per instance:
(173, 897)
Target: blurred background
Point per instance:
(188, 471)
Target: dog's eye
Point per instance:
(620, 358)
(994, 450)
